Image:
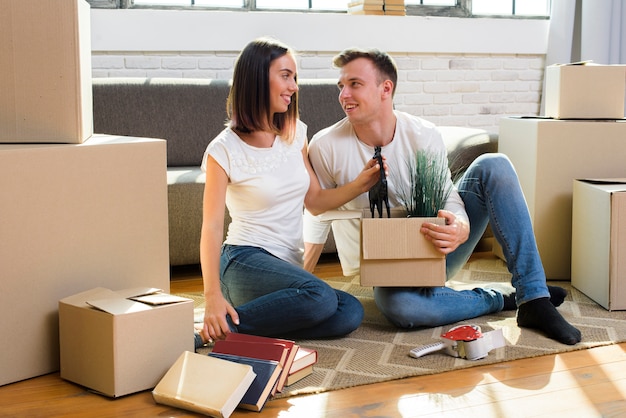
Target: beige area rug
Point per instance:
(378, 351)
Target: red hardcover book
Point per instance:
(289, 344)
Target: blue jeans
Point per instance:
(278, 299)
(492, 195)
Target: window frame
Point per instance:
(462, 8)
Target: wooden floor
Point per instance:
(585, 383)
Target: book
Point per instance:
(366, 2)
(185, 385)
(366, 7)
(264, 351)
(267, 373)
(304, 357)
(299, 375)
(291, 345)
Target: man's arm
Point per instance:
(312, 254)
(315, 235)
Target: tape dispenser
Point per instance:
(464, 341)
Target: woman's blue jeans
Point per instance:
(492, 195)
(278, 299)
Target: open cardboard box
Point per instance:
(118, 343)
(393, 250)
(599, 240)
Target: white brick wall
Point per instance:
(447, 89)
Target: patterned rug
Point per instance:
(378, 351)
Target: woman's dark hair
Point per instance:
(248, 100)
(384, 64)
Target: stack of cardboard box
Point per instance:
(79, 210)
(581, 136)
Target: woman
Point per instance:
(259, 168)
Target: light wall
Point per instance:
(452, 71)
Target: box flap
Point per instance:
(118, 306)
(160, 299)
(398, 212)
(138, 291)
(620, 180)
(587, 62)
(334, 215)
(79, 299)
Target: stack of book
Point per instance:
(394, 7)
(367, 7)
(242, 371)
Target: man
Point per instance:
(489, 192)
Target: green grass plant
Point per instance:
(428, 187)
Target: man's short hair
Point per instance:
(385, 65)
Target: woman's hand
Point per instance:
(370, 175)
(448, 237)
(215, 324)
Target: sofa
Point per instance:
(188, 113)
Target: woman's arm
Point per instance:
(211, 239)
(319, 200)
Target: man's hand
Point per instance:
(448, 237)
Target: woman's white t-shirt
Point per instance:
(265, 193)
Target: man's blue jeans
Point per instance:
(492, 194)
(275, 298)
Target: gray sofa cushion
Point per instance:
(464, 145)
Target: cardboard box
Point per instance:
(585, 91)
(599, 241)
(395, 253)
(548, 155)
(45, 62)
(75, 217)
(122, 342)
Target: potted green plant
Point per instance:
(428, 188)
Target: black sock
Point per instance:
(541, 315)
(509, 301)
(557, 297)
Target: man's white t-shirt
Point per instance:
(265, 193)
(338, 156)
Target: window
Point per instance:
(511, 7)
(492, 8)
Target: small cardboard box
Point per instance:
(45, 62)
(585, 91)
(599, 241)
(395, 253)
(118, 343)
